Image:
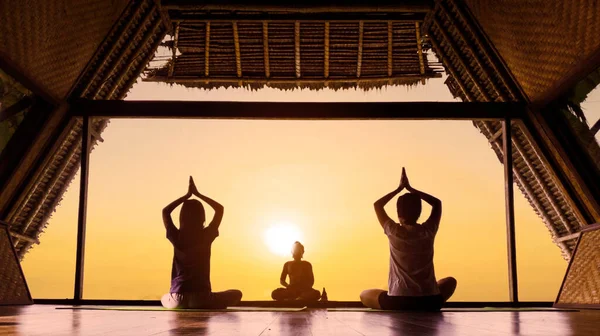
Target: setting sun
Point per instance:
(280, 237)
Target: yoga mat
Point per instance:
(230, 309)
(451, 310)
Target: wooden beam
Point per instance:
(326, 43)
(294, 80)
(24, 238)
(390, 53)
(361, 25)
(266, 48)
(82, 215)
(510, 210)
(207, 50)
(263, 110)
(18, 235)
(174, 55)
(496, 136)
(12, 110)
(297, 48)
(594, 129)
(568, 237)
(287, 17)
(403, 6)
(236, 43)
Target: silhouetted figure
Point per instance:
(412, 283)
(190, 275)
(301, 279)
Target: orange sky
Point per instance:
(322, 176)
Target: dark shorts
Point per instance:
(200, 300)
(422, 303)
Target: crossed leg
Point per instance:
(282, 294)
(214, 300)
(370, 297)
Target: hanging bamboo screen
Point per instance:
(289, 54)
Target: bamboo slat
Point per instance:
(238, 58)
(326, 49)
(390, 40)
(361, 26)
(420, 50)
(207, 50)
(297, 48)
(175, 42)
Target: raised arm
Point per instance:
(166, 212)
(216, 221)
(283, 277)
(382, 216)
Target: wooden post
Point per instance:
(510, 211)
(81, 219)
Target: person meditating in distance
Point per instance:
(411, 281)
(190, 275)
(301, 279)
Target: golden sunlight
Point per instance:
(280, 237)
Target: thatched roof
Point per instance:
(343, 46)
(476, 73)
(542, 43)
(293, 48)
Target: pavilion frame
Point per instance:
(505, 112)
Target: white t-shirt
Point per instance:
(411, 258)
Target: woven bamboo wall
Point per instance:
(540, 41)
(582, 281)
(51, 41)
(13, 288)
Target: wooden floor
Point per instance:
(46, 320)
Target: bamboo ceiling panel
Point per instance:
(289, 54)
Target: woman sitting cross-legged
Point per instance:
(301, 279)
(412, 282)
(190, 275)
